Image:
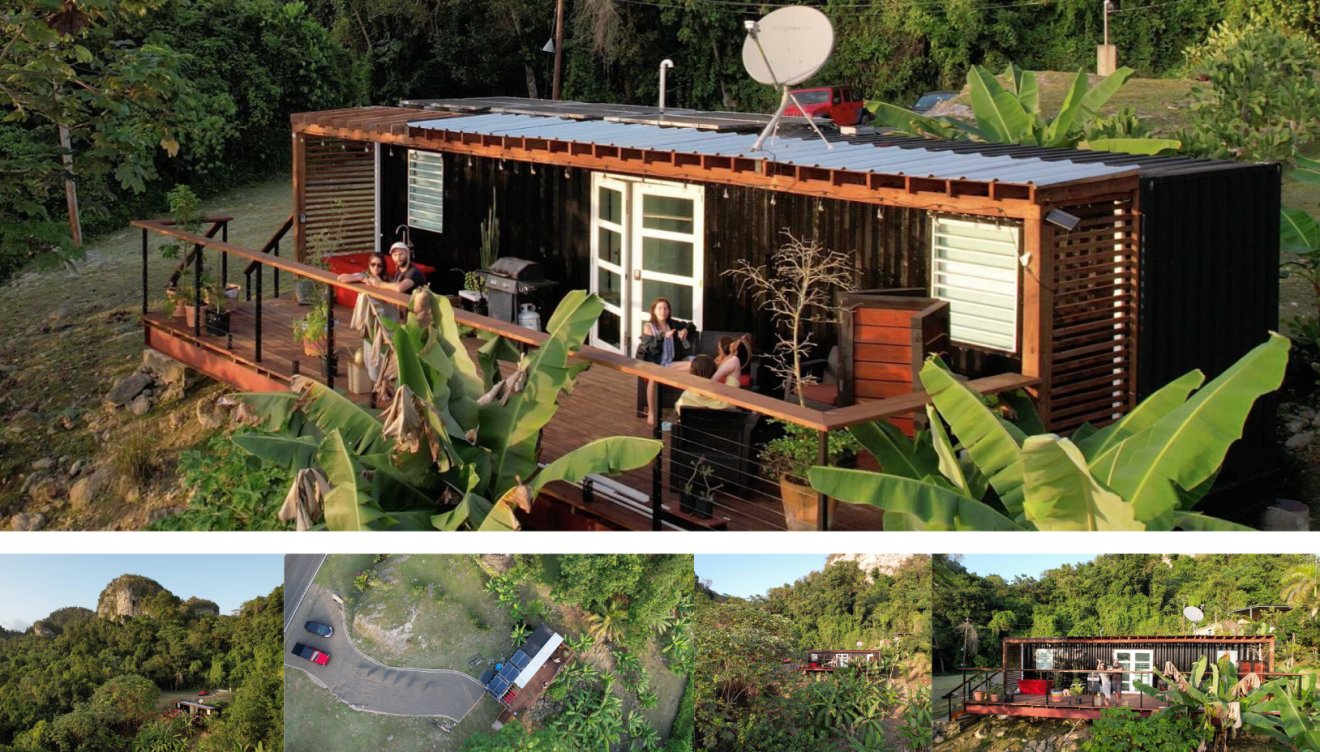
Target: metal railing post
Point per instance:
(145, 283)
(224, 257)
(197, 291)
(657, 475)
(330, 365)
(257, 316)
(277, 270)
(823, 501)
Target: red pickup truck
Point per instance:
(834, 102)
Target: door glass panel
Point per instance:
(609, 287)
(608, 329)
(610, 246)
(667, 256)
(667, 213)
(680, 297)
(611, 205)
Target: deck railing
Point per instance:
(980, 679)
(638, 495)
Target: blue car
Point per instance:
(325, 630)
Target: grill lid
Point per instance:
(516, 268)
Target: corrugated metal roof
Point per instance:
(912, 160)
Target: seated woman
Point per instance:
(733, 355)
(665, 341)
(375, 272)
(366, 314)
(702, 366)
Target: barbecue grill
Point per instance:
(511, 282)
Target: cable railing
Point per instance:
(706, 478)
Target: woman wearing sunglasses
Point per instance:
(367, 313)
(375, 271)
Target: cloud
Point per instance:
(17, 625)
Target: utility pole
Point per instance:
(1106, 55)
(559, 47)
(70, 189)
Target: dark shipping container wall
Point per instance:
(545, 216)
(1181, 654)
(1209, 294)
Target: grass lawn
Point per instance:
(940, 686)
(424, 612)
(315, 721)
(338, 571)
(69, 335)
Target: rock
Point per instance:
(76, 468)
(27, 522)
(128, 387)
(140, 404)
(23, 420)
(1297, 425)
(59, 319)
(1315, 421)
(45, 463)
(389, 738)
(1286, 514)
(1069, 746)
(999, 733)
(43, 489)
(981, 732)
(126, 596)
(1299, 441)
(89, 488)
(173, 378)
(133, 495)
(210, 415)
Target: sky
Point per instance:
(745, 575)
(1009, 566)
(32, 586)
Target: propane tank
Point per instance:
(529, 318)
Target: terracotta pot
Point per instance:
(179, 307)
(800, 505)
(994, 698)
(190, 314)
(314, 348)
(978, 695)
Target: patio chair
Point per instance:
(707, 344)
(720, 438)
(823, 394)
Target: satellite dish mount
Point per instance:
(783, 49)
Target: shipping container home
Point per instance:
(1035, 671)
(519, 682)
(829, 660)
(1087, 279)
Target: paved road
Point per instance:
(299, 569)
(364, 683)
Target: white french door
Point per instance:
(1135, 660)
(646, 242)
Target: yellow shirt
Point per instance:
(692, 399)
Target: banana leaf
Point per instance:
(990, 443)
(1061, 494)
(329, 410)
(1298, 231)
(1059, 131)
(926, 503)
(1200, 523)
(290, 452)
(1148, 146)
(949, 466)
(892, 116)
(1024, 87)
(472, 509)
(434, 398)
(895, 453)
(1097, 95)
(1025, 417)
(510, 430)
(1099, 446)
(347, 505)
(612, 456)
(997, 111)
(1188, 445)
(274, 410)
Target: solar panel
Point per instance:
(520, 659)
(509, 672)
(498, 686)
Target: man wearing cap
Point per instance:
(406, 276)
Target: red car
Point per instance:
(311, 654)
(203, 693)
(834, 102)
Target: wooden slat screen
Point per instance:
(1093, 347)
(887, 339)
(340, 195)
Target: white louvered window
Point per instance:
(974, 266)
(426, 190)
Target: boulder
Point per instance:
(27, 522)
(1285, 514)
(1299, 441)
(89, 488)
(128, 388)
(45, 463)
(173, 378)
(140, 404)
(210, 415)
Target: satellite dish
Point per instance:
(788, 46)
(1193, 614)
(783, 49)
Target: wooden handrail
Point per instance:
(216, 223)
(816, 420)
(275, 238)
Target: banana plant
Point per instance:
(1143, 472)
(1011, 115)
(1298, 230)
(1293, 727)
(1214, 693)
(457, 447)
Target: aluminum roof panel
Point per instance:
(870, 156)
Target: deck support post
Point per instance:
(197, 290)
(144, 273)
(657, 476)
(330, 365)
(224, 257)
(257, 316)
(823, 501)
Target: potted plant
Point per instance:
(1078, 688)
(698, 494)
(309, 330)
(474, 284)
(175, 297)
(307, 291)
(787, 460)
(217, 315)
(978, 695)
(996, 692)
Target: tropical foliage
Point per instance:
(1011, 114)
(1145, 471)
(458, 446)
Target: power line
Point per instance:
(741, 7)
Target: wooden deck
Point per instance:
(1040, 706)
(603, 404)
